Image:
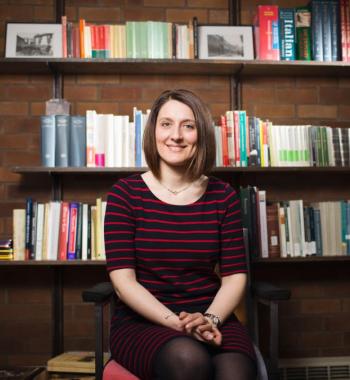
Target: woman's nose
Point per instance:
(176, 132)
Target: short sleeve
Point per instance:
(119, 228)
(233, 259)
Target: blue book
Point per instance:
(77, 141)
(28, 231)
(287, 34)
(62, 141)
(334, 15)
(326, 31)
(138, 138)
(317, 30)
(48, 138)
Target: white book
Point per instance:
(84, 239)
(19, 227)
(263, 224)
(282, 230)
(100, 138)
(53, 230)
(118, 133)
(110, 140)
(39, 231)
(337, 228)
(331, 157)
(125, 139)
(131, 155)
(90, 139)
(87, 42)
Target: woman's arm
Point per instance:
(229, 295)
(138, 298)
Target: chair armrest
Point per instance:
(100, 293)
(270, 292)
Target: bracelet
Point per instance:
(216, 321)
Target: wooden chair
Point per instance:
(257, 292)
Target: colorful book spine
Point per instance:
(287, 34)
(303, 33)
(269, 48)
(72, 235)
(317, 30)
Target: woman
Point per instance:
(165, 231)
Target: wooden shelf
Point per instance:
(172, 67)
(251, 169)
(50, 263)
(301, 260)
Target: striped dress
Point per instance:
(174, 250)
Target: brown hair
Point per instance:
(204, 156)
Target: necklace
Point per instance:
(175, 192)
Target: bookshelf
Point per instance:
(235, 72)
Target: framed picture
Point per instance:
(225, 42)
(33, 40)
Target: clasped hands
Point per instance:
(200, 327)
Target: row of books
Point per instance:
(292, 228)
(243, 140)
(134, 39)
(107, 140)
(319, 31)
(6, 249)
(59, 230)
(94, 140)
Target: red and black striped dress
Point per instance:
(173, 250)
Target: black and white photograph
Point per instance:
(226, 42)
(24, 40)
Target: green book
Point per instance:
(303, 33)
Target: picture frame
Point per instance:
(33, 40)
(225, 42)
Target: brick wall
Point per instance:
(312, 323)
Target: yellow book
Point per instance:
(74, 361)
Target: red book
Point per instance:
(268, 31)
(63, 232)
(64, 36)
(225, 159)
(72, 233)
(343, 31)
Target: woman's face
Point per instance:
(176, 133)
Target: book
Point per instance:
(268, 32)
(62, 141)
(48, 140)
(303, 33)
(317, 30)
(19, 231)
(77, 141)
(74, 361)
(287, 34)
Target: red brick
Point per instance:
(100, 14)
(258, 95)
(16, 124)
(274, 111)
(320, 306)
(32, 92)
(218, 17)
(14, 141)
(321, 339)
(18, 311)
(184, 15)
(303, 324)
(334, 95)
(160, 3)
(296, 96)
(120, 93)
(317, 111)
(98, 79)
(80, 93)
(215, 4)
(144, 14)
(14, 13)
(22, 159)
(344, 112)
(311, 81)
(37, 108)
(13, 79)
(13, 108)
(7, 176)
(45, 13)
(104, 107)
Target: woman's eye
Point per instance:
(165, 124)
(190, 126)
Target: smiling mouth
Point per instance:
(176, 147)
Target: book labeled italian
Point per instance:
(287, 34)
(74, 361)
(267, 21)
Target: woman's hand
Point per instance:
(201, 328)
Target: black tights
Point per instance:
(184, 358)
